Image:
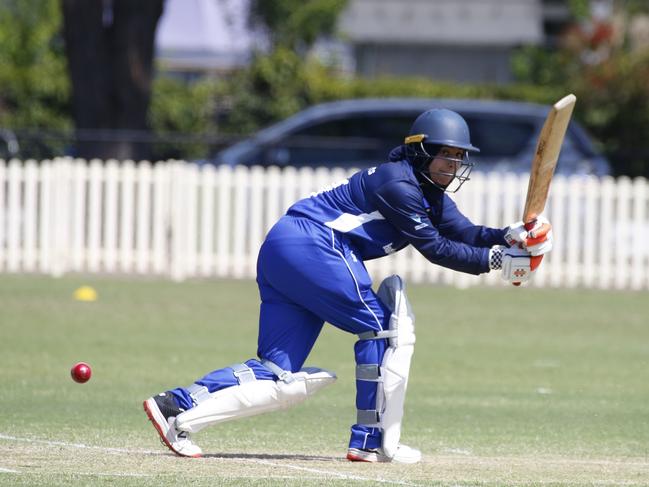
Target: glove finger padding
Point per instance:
(541, 228)
(539, 246)
(516, 234)
(539, 238)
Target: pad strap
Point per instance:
(243, 373)
(284, 375)
(377, 335)
(368, 417)
(368, 372)
(198, 393)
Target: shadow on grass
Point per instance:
(273, 456)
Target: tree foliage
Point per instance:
(181, 108)
(595, 62)
(296, 24)
(34, 88)
(280, 84)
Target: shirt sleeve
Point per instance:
(454, 225)
(401, 204)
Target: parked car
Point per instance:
(360, 133)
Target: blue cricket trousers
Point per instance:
(307, 274)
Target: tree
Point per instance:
(34, 88)
(596, 61)
(296, 24)
(110, 47)
(275, 84)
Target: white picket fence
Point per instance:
(179, 220)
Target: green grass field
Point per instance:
(508, 387)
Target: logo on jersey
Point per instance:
(330, 187)
(388, 248)
(417, 219)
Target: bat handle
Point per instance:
(535, 260)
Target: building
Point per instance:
(453, 40)
(197, 37)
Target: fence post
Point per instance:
(30, 216)
(95, 215)
(574, 234)
(589, 231)
(255, 220)
(607, 237)
(190, 230)
(623, 232)
(143, 249)
(110, 215)
(126, 215)
(240, 221)
(556, 260)
(13, 215)
(78, 247)
(160, 217)
(223, 237)
(206, 250)
(177, 221)
(45, 210)
(272, 210)
(640, 225)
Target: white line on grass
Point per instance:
(242, 460)
(8, 470)
(333, 474)
(78, 445)
(109, 474)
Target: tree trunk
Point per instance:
(110, 48)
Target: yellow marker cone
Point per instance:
(85, 293)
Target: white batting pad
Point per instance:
(252, 398)
(396, 361)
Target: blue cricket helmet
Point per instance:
(431, 131)
(441, 127)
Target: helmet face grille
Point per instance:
(420, 156)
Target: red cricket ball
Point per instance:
(81, 372)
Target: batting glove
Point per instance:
(513, 262)
(538, 241)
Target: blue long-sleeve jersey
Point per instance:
(383, 209)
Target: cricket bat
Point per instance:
(545, 160)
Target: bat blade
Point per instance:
(545, 160)
(546, 156)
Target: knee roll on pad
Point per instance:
(254, 397)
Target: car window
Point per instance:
(499, 137)
(355, 141)
(376, 125)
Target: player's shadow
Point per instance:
(272, 456)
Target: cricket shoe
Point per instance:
(404, 454)
(162, 411)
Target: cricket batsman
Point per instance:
(311, 270)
